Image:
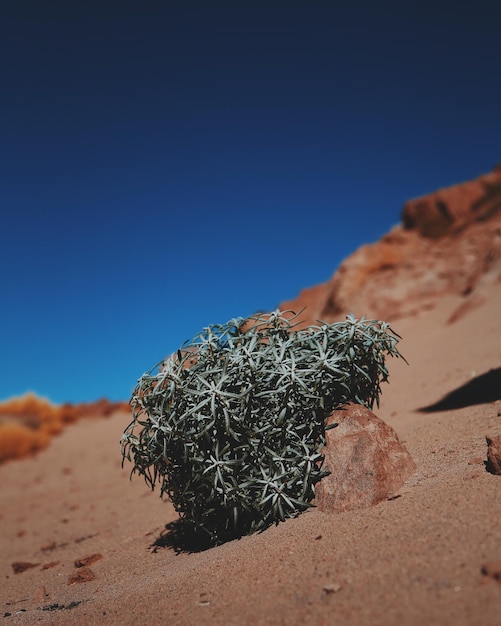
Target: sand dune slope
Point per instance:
(81, 544)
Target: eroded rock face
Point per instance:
(449, 243)
(450, 209)
(368, 463)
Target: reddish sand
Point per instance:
(431, 555)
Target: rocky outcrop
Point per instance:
(450, 210)
(492, 570)
(449, 242)
(368, 463)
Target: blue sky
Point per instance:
(164, 166)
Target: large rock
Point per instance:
(367, 461)
(449, 243)
(493, 464)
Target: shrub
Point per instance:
(17, 440)
(232, 425)
(27, 424)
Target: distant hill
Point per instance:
(448, 242)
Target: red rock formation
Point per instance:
(449, 243)
(451, 209)
(367, 461)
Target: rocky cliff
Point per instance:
(448, 242)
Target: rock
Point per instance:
(492, 570)
(21, 566)
(449, 209)
(82, 575)
(367, 461)
(332, 588)
(88, 560)
(493, 464)
(449, 243)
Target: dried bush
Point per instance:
(17, 441)
(28, 422)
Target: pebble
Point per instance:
(332, 588)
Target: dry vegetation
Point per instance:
(28, 422)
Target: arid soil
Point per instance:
(81, 544)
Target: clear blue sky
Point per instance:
(164, 166)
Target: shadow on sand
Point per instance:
(179, 536)
(480, 390)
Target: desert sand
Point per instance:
(81, 544)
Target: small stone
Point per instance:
(82, 575)
(21, 566)
(204, 599)
(492, 570)
(88, 560)
(493, 464)
(332, 588)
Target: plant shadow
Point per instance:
(180, 537)
(480, 390)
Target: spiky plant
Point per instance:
(232, 425)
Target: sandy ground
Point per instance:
(100, 554)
